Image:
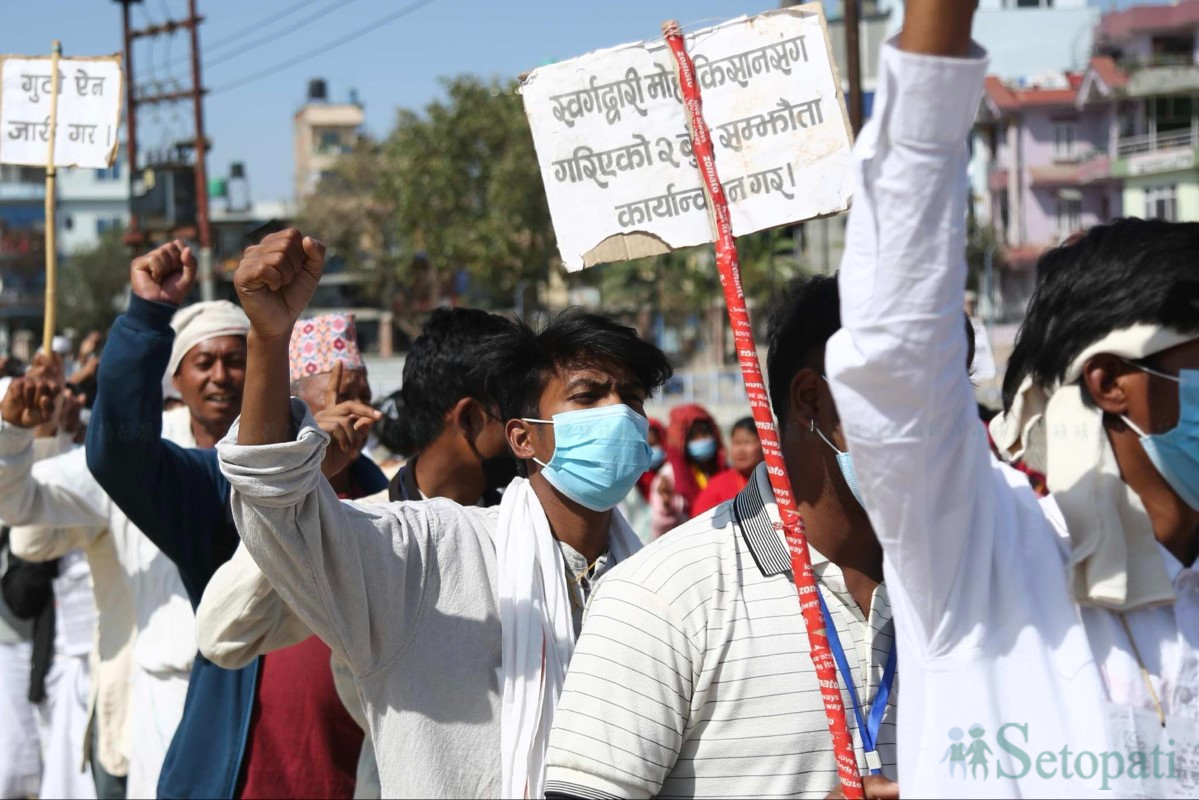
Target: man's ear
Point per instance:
(467, 417)
(804, 398)
(519, 440)
(1104, 377)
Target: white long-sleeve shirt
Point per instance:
(55, 506)
(988, 631)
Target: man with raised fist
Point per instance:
(1063, 625)
(229, 742)
(458, 622)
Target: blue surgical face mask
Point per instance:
(1175, 453)
(599, 453)
(657, 457)
(845, 462)
(702, 450)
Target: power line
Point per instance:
(256, 27)
(325, 48)
(275, 34)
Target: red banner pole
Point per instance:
(759, 402)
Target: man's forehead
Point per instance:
(572, 377)
(219, 345)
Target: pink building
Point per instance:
(1047, 175)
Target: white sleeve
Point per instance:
(355, 575)
(57, 496)
(898, 366)
(241, 616)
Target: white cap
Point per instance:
(203, 321)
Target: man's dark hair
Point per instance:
(392, 429)
(1131, 271)
(746, 424)
(439, 370)
(805, 318)
(518, 363)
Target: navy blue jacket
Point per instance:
(180, 500)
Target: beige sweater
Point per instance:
(404, 593)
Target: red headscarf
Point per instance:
(647, 478)
(682, 418)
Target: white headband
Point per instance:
(1020, 428)
(1114, 558)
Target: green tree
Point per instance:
(981, 244)
(467, 188)
(92, 284)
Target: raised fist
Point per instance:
(276, 280)
(165, 274)
(29, 402)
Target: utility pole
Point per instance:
(133, 237)
(207, 285)
(196, 95)
(853, 61)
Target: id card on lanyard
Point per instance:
(867, 726)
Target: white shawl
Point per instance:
(537, 631)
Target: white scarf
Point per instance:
(1114, 560)
(537, 628)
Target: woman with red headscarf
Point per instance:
(657, 448)
(745, 453)
(694, 454)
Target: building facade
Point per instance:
(322, 131)
(1146, 79)
(91, 202)
(1047, 176)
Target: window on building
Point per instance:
(1172, 49)
(1004, 217)
(1030, 4)
(110, 174)
(1063, 139)
(1172, 113)
(1069, 212)
(106, 224)
(329, 142)
(1161, 202)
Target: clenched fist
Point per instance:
(165, 274)
(29, 402)
(276, 279)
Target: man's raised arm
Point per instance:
(172, 494)
(355, 576)
(898, 366)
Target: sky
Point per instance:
(392, 65)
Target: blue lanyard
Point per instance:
(867, 729)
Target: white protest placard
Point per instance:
(611, 137)
(89, 111)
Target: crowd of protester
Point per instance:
(228, 573)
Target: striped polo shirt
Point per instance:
(692, 677)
